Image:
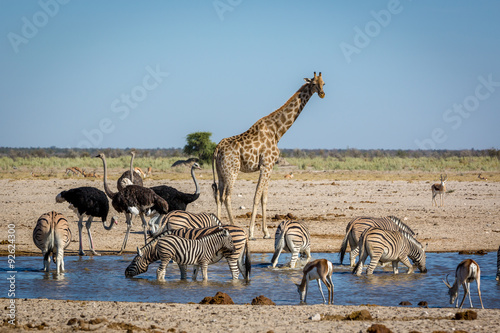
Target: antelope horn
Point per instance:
(446, 282)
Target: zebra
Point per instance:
(52, 235)
(389, 246)
(238, 261)
(498, 264)
(179, 219)
(181, 250)
(294, 237)
(356, 227)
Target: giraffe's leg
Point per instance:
(80, 227)
(264, 210)
(261, 184)
(91, 241)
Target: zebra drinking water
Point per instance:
(389, 246)
(294, 237)
(52, 235)
(179, 219)
(181, 250)
(356, 227)
(238, 261)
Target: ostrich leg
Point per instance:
(129, 225)
(80, 227)
(88, 225)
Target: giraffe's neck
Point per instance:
(282, 119)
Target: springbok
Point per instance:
(289, 176)
(439, 189)
(319, 270)
(480, 177)
(467, 271)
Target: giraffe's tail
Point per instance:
(214, 184)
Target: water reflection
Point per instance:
(102, 278)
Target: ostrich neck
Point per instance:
(108, 191)
(111, 224)
(132, 168)
(197, 190)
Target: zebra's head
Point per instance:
(139, 264)
(227, 242)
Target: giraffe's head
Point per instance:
(316, 84)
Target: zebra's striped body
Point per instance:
(181, 250)
(498, 264)
(179, 219)
(389, 246)
(238, 260)
(358, 225)
(294, 237)
(52, 235)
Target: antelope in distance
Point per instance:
(482, 178)
(319, 270)
(439, 189)
(466, 272)
(289, 176)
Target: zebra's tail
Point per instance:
(248, 262)
(343, 247)
(279, 244)
(361, 247)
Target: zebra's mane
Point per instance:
(215, 219)
(402, 225)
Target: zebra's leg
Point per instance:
(128, 220)
(91, 241)
(183, 270)
(352, 255)
(395, 269)
(204, 270)
(60, 259)
(46, 260)
(295, 257)
(196, 268)
(361, 261)
(374, 259)
(80, 227)
(407, 263)
(234, 268)
(321, 291)
(162, 268)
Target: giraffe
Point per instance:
(257, 150)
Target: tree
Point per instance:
(199, 144)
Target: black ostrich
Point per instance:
(134, 200)
(91, 202)
(176, 199)
(129, 177)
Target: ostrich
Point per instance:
(176, 199)
(127, 178)
(91, 202)
(133, 199)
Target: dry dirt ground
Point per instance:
(468, 221)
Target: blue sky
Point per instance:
(144, 74)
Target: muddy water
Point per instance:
(103, 279)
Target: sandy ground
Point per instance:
(468, 221)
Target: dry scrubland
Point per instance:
(325, 200)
